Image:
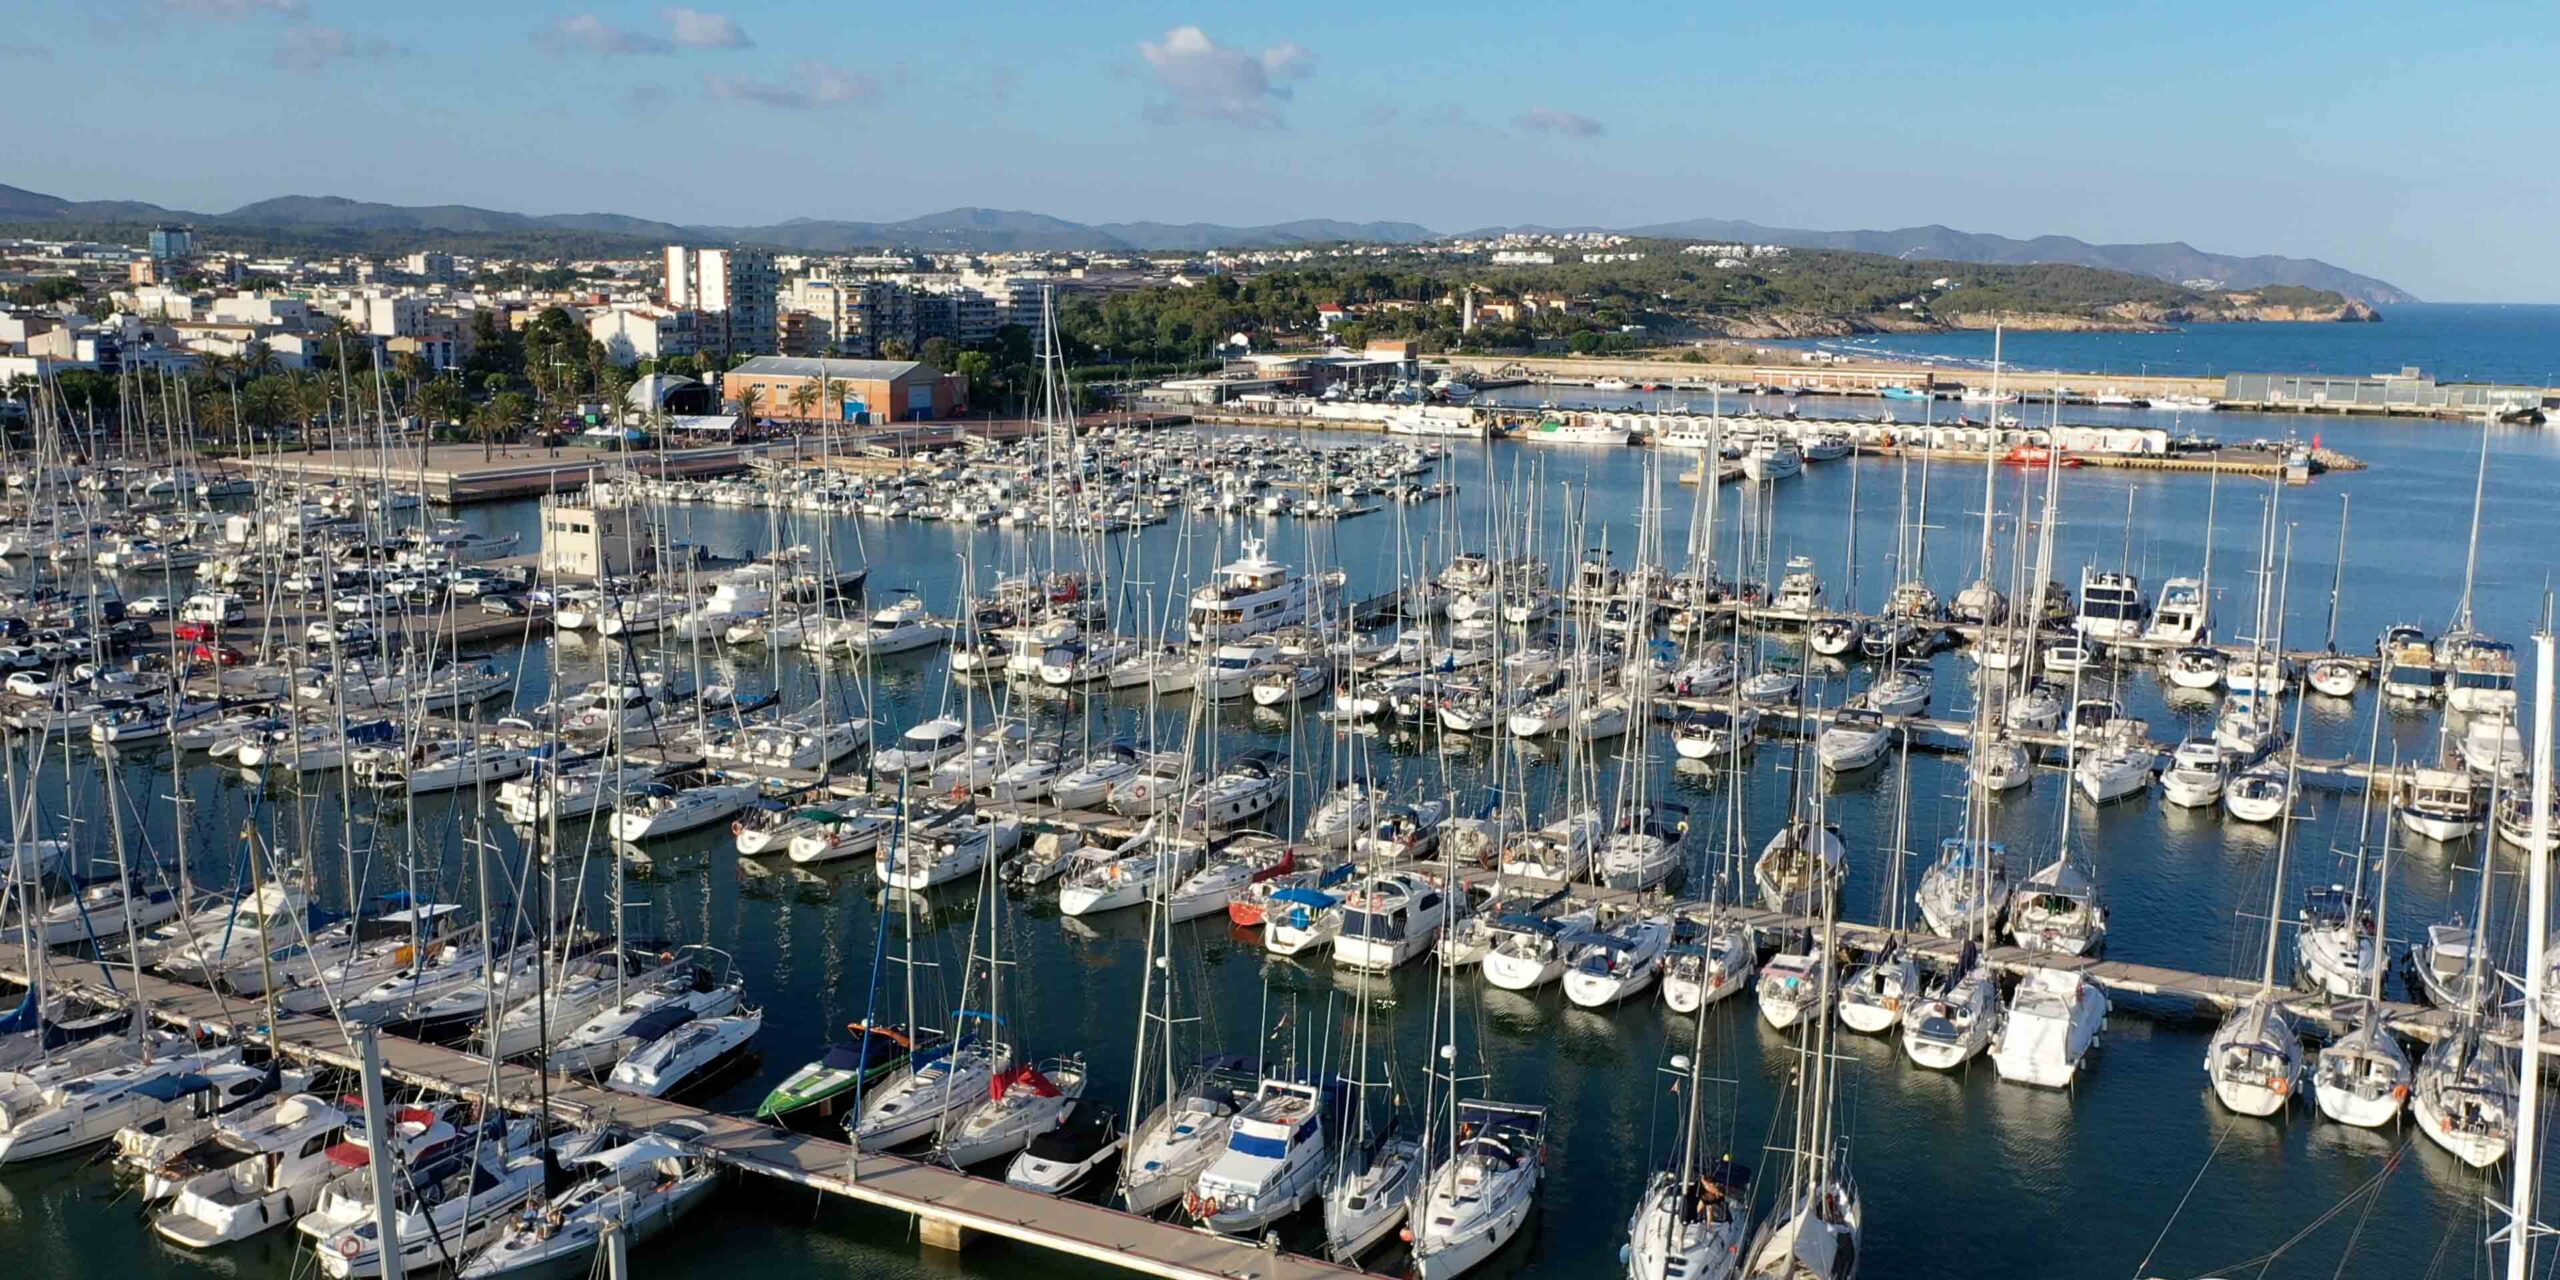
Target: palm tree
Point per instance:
(804, 398)
(439, 401)
(830, 397)
(257, 359)
(308, 394)
(745, 403)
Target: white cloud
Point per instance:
(311, 46)
(1565, 123)
(695, 29)
(587, 33)
(1209, 81)
(234, 10)
(810, 86)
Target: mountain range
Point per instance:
(995, 230)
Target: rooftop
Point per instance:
(810, 367)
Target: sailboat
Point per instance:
(1373, 1183)
(2363, 1077)
(2255, 1058)
(1871, 1000)
(1812, 1231)
(1691, 1222)
(1481, 1171)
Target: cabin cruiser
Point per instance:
(1388, 921)
(902, 627)
(799, 745)
(1278, 1153)
(2483, 675)
(1251, 596)
(685, 1056)
(1856, 738)
(2442, 805)
(2112, 606)
(1770, 458)
(2195, 775)
(2182, 617)
(921, 748)
(1799, 592)
(1064, 1158)
(254, 1174)
(2054, 1019)
(100, 910)
(2408, 664)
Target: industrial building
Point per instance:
(861, 392)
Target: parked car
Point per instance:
(147, 607)
(503, 606)
(220, 655)
(338, 633)
(193, 630)
(32, 684)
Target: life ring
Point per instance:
(350, 1247)
(2399, 1093)
(2281, 1088)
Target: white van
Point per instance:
(212, 606)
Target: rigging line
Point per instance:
(2144, 1266)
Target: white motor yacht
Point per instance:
(2054, 1019)
(1277, 1155)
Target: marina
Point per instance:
(1320, 665)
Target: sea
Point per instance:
(2135, 1171)
(2508, 343)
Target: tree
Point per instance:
(439, 401)
(896, 349)
(804, 398)
(980, 369)
(745, 404)
(941, 353)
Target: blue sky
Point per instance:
(2408, 142)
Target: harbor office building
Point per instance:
(2408, 391)
(584, 540)
(857, 392)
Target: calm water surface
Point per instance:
(1963, 1175)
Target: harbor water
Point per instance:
(2135, 1171)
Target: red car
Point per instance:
(220, 655)
(197, 630)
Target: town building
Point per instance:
(740, 290)
(633, 334)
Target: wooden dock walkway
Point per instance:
(949, 1205)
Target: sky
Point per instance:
(2407, 142)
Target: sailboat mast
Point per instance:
(2520, 1226)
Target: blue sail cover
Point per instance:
(23, 1018)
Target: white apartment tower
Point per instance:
(738, 290)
